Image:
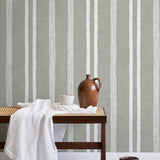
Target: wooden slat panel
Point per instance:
(68, 119)
(79, 119)
(99, 117)
(4, 119)
(72, 145)
(78, 145)
(2, 145)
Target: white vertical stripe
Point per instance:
(88, 36)
(52, 50)
(88, 56)
(113, 87)
(9, 52)
(95, 38)
(26, 53)
(88, 135)
(156, 52)
(70, 64)
(138, 75)
(70, 59)
(131, 76)
(95, 56)
(34, 50)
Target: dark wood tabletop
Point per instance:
(98, 117)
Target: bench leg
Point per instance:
(103, 140)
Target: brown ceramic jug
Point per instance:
(88, 92)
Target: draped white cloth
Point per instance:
(31, 133)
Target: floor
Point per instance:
(96, 156)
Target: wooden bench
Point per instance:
(98, 117)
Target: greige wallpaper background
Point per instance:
(48, 46)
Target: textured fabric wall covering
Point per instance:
(47, 47)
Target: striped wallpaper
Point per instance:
(47, 48)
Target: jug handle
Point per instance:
(99, 81)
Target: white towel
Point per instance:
(59, 129)
(31, 133)
(74, 108)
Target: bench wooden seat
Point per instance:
(98, 117)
